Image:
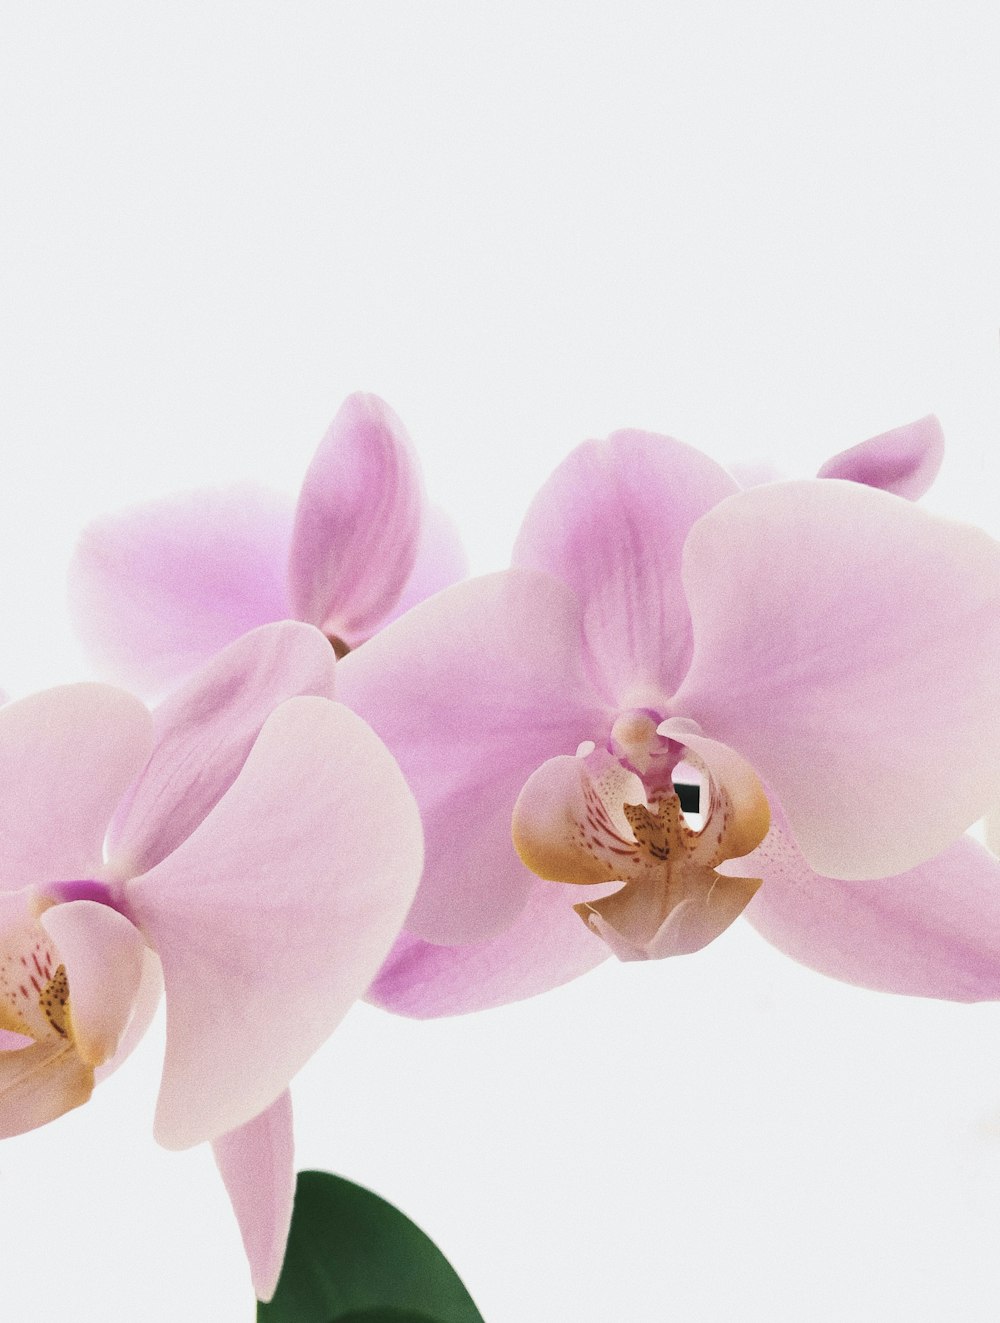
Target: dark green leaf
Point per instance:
(353, 1258)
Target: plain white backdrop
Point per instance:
(769, 229)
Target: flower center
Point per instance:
(613, 813)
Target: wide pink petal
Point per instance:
(257, 1165)
(357, 524)
(545, 946)
(204, 731)
(158, 589)
(904, 461)
(441, 561)
(933, 931)
(67, 755)
(847, 644)
(274, 915)
(471, 690)
(611, 523)
(103, 955)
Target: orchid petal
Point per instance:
(933, 931)
(471, 690)
(274, 915)
(102, 953)
(66, 757)
(257, 1165)
(611, 523)
(157, 590)
(147, 999)
(357, 524)
(204, 731)
(441, 561)
(40, 1083)
(544, 947)
(847, 644)
(992, 830)
(904, 461)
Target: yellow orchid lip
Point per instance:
(612, 813)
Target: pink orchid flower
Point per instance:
(218, 848)
(823, 656)
(158, 589)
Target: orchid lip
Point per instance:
(57, 893)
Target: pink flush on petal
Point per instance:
(157, 590)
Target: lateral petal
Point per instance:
(544, 947)
(103, 955)
(904, 461)
(274, 915)
(67, 755)
(847, 644)
(158, 589)
(357, 524)
(933, 931)
(204, 731)
(611, 523)
(472, 690)
(257, 1165)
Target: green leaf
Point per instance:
(353, 1258)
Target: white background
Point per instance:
(769, 229)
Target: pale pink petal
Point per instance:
(847, 644)
(275, 914)
(904, 461)
(204, 731)
(545, 946)
(441, 561)
(257, 1165)
(144, 1008)
(471, 690)
(158, 589)
(67, 755)
(102, 953)
(357, 524)
(40, 1083)
(933, 931)
(992, 830)
(611, 523)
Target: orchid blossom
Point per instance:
(157, 590)
(823, 657)
(218, 848)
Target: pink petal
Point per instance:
(204, 731)
(147, 999)
(471, 690)
(273, 917)
(847, 644)
(933, 931)
(102, 953)
(904, 461)
(158, 589)
(544, 947)
(39, 1084)
(67, 756)
(611, 523)
(357, 524)
(441, 561)
(257, 1164)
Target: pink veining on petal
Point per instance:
(357, 524)
(204, 731)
